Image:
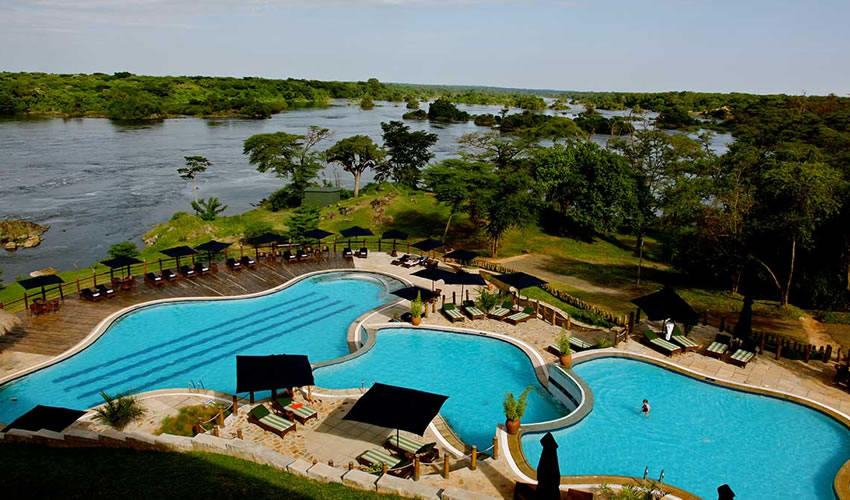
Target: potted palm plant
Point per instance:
(563, 343)
(515, 409)
(118, 411)
(416, 309)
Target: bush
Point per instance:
(125, 249)
(835, 317)
(118, 411)
(179, 215)
(208, 209)
(419, 114)
(416, 306)
(183, 423)
(487, 300)
(485, 120)
(602, 344)
(515, 408)
(443, 110)
(366, 103)
(255, 229)
(283, 198)
(563, 342)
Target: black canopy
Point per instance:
(463, 256)
(212, 247)
(177, 252)
(119, 262)
(317, 234)
(51, 418)
(277, 371)
(356, 232)
(41, 282)
(464, 278)
(409, 293)
(397, 408)
(664, 304)
(520, 281)
(266, 238)
(434, 274)
(428, 245)
(548, 470)
(394, 234)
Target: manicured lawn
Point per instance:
(92, 473)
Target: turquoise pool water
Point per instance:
(475, 372)
(700, 434)
(169, 345)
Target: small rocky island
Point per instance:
(16, 234)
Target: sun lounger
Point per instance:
(472, 311)
(233, 264)
(201, 269)
(363, 252)
(415, 261)
(248, 262)
(375, 458)
(503, 311)
(680, 339)
(347, 253)
(719, 347)
(106, 291)
(188, 272)
(410, 448)
(401, 260)
(575, 343)
(169, 275)
(92, 295)
(288, 257)
(520, 317)
(452, 314)
(294, 411)
(741, 357)
(667, 348)
(302, 256)
(153, 279)
(262, 417)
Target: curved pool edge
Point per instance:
(105, 323)
(520, 465)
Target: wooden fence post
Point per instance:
(415, 465)
(383, 469)
(446, 466)
(220, 417)
(631, 322)
(235, 404)
(473, 460)
(495, 447)
(239, 434)
(808, 352)
(828, 356)
(761, 347)
(778, 349)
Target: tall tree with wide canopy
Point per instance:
(289, 156)
(194, 166)
(461, 185)
(408, 152)
(355, 154)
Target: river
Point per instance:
(96, 182)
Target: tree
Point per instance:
(302, 220)
(289, 156)
(443, 110)
(123, 249)
(461, 185)
(412, 103)
(494, 148)
(208, 209)
(510, 203)
(119, 410)
(408, 153)
(355, 154)
(194, 166)
(366, 103)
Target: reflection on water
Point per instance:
(98, 182)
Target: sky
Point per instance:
(777, 46)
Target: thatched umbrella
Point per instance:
(8, 321)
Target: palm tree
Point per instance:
(118, 410)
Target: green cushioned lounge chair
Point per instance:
(302, 414)
(719, 347)
(375, 458)
(686, 343)
(452, 314)
(520, 317)
(579, 344)
(665, 347)
(741, 357)
(411, 447)
(262, 417)
(503, 311)
(472, 311)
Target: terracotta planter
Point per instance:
(416, 320)
(567, 360)
(512, 426)
(490, 286)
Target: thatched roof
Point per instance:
(8, 321)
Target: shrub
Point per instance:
(487, 300)
(563, 342)
(208, 209)
(255, 229)
(124, 249)
(283, 198)
(178, 215)
(515, 408)
(118, 411)
(419, 114)
(416, 306)
(602, 344)
(183, 423)
(366, 103)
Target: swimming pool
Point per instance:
(168, 345)
(701, 435)
(474, 371)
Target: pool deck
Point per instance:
(329, 438)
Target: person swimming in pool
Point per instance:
(645, 407)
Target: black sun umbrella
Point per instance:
(212, 247)
(397, 408)
(120, 262)
(177, 252)
(520, 281)
(267, 238)
(355, 232)
(434, 274)
(269, 373)
(410, 292)
(42, 282)
(464, 278)
(462, 256)
(52, 418)
(428, 244)
(548, 470)
(317, 234)
(394, 234)
(665, 304)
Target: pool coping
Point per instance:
(520, 465)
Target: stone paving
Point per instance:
(329, 438)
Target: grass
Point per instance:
(101, 473)
(587, 317)
(182, 424)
